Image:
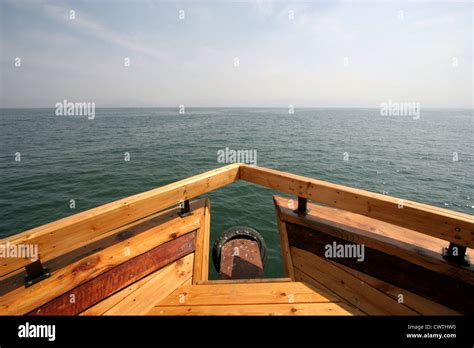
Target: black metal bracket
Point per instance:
(35, 272)
(185, 208)
(456, 253)
(302, 206)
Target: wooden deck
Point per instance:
(274, 298)
(154, 295)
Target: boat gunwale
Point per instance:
(445, 224)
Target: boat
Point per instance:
(345, 252)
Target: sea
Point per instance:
(49, 161)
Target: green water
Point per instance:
(64, 158)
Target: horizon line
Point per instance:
(238, 107)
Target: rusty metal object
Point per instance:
(241, 259)
(240, 253)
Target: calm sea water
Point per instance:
(64, 158)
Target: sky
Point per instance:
(236, 54)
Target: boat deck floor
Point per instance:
(264, 297)
(272, 298)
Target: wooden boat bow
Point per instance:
(142, 255)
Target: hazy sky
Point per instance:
(330, 54)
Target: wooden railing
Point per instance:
(76, 230)
(72, 232)
(441, 223)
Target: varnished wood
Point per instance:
(154, 224)
(75, 231)
(240, 281)
(260, 309)
(363, 296)
(284, 245)
(406, 275)
(103, 306)
(250, 293)
(22, 300)
(400, 242)
(437, 222)
(201, 263)
(159, 285)
(118, 277)
(417, 303)
(320, 288)
(87, 249)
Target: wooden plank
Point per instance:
(410, 300)
(284, 245)
(437, 222)
(406, 244)
(417, 303)
(117, 278)
(324, 308)
(243, 294)
(239, 281)
(94, 222)
(401, 273)
(159, 285)
(103, 306)
(363, 296)
(201, 264)
(153, 224)
(323, 290)
(317, 286)
(22, 300)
